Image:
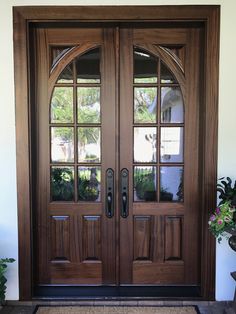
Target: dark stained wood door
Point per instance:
(124, 100)
(75, 146)
(159, 146)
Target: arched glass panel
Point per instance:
(158, 131)
(88, 67)
(145, 67)
(75, 131)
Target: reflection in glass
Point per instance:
(145, 184)
(145, 144)
(88, 99)
(88, 67)
(62, 105)
(145, 67)
(62, 183)
(89, 146)
(166, 75)
(145, 104)
(66, 75)
(89, 184)
(62, 144)
(172, 107)
(172, 144)
(171, 181)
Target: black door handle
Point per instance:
(124, 193)
(109, 193)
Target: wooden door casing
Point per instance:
(24, 18)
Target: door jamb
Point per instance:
(210, 16)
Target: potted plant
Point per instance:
(3, 279)
(223, 218)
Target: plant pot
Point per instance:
(232, 242)
(166, 196)
(150, 196)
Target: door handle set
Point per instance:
(124, 193)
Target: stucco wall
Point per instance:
(226, 258)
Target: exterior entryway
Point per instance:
(118, 156)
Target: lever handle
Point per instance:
(109, 193)
(109, 204)
(124, 193)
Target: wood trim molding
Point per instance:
(210, 15)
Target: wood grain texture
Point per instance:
(142, 237)
(173, 238)
(23, 156)
(121, 13)
(60, 238)
(91, 231)
(158, 273)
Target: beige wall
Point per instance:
(226, 258)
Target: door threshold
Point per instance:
(116, 293)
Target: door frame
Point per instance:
(22, 16)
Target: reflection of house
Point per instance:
(172, 109)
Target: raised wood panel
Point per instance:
(173, 238)
(74, 273)
(142, 237)
(60, 238)
(156, 273)
(91, 233)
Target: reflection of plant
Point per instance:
(3, 279)
(165, 195)
(144, 182)
(62, 104)
(143, 115)
(88, 188)
(145, 104)
(180, 192)
(62, 184)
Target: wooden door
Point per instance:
(117, 155)
(159, 147)
(75, 147)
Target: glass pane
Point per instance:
(89, 145)
(66, 75)
(62, 144)
(171, 181)
(145, 184)
(89, 184)
(88, 99)
(172, 144)
(145, 104)
(62, 183)
(88, 67)
(145, 67)
(145, 144)
(62, 105)
(166, 75)
(172, 105)
(57, 53)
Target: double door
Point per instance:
(117, 155)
